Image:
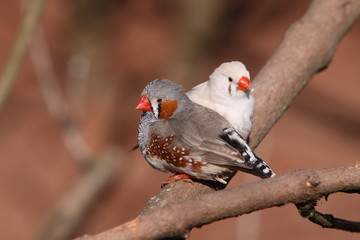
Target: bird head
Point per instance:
(230, 78)
(163, 98)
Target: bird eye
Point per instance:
(230, 79)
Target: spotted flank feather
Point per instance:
(259, 167)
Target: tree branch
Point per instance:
(307, 48)
(307, 210)
(72, 137)
(11, 69)
(71, 209)
(292, 187)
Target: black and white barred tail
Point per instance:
(259, 167)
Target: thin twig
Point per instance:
(55, 102)
(307, 210)
(11, 69)
(70, 211)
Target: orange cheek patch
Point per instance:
(168, 107)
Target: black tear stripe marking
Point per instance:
(260, 168)
(159, 110)
(230, 89)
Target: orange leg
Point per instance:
(177, 177)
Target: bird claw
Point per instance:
(177, 177)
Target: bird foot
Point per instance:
(177, 177)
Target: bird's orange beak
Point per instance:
(244, 84)
(144, 104)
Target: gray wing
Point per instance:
(229, 149)
(202, 140)
(209, 137)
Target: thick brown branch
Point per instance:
(308, 47)
(293, 187)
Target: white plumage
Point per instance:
(224, 93)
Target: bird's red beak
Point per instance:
(244, 84)
(144, 104)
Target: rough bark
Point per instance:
(175, 219)
(307, 48)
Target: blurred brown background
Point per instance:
(102, 54)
